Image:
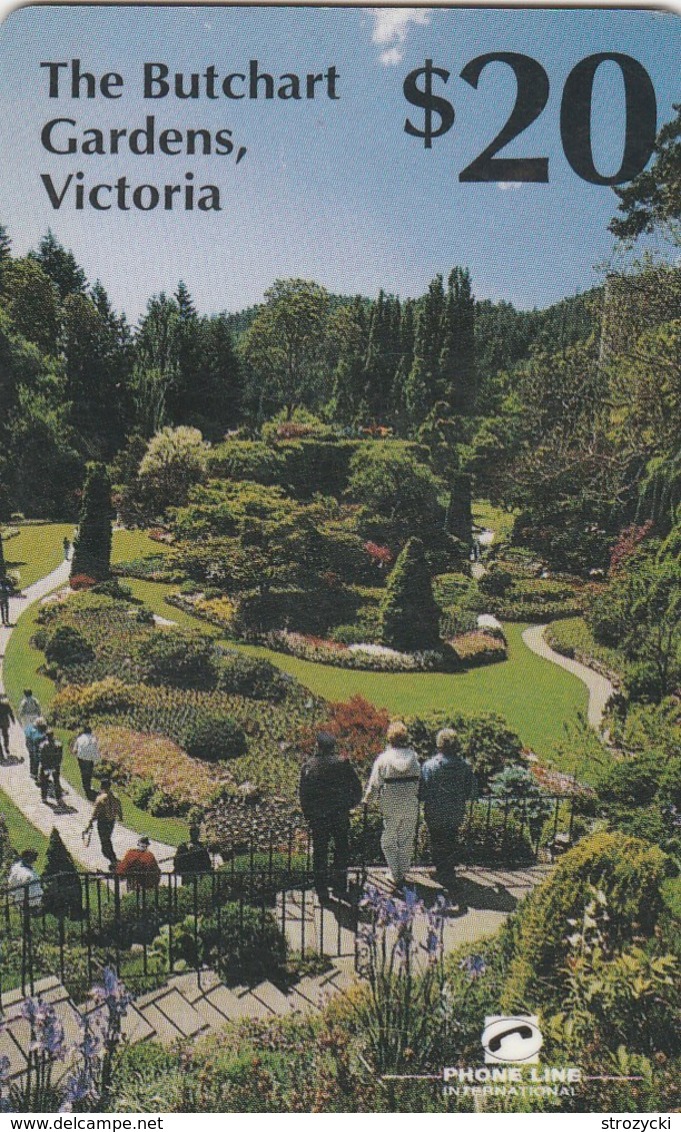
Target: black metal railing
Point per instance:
(237, 916)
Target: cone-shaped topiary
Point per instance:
(3, 568)
(92, 545)
(410, 617)
(61, 884)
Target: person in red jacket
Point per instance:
(139, 868)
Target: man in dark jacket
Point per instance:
(447, 785)
(50, 755)
(192, 858)
(6, 718)
(329, 789)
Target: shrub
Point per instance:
(213, 737)
(140, 791)
(243, 942)
(487, 743)
(66, 646)
(477, 648)
(670, 783)
(251, 676)
(79, 582)
(73, 704)
(410, 618)
(495, 582)
(495, 836)
(178, 658)
(156, 771)
(359, 727)
(631, 781)
(628, 871)
(113, 588)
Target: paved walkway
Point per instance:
(73, 814)
(600, 688)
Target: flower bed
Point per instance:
(367, 657)
(159, 775)
(479, 648)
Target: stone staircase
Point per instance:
(186, 1007)
(189, 1005)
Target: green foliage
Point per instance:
(174, 461)
(487, 743)
(242, 942)
(398, 496)
(628, 871)
(65, 646)
(177, 657)
(214, 737)
(250, 676)
(410, 618)
(92, 545)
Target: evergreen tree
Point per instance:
(410, 617)
(3, 567)
(457, 355)
(382, 356)
(62, 895)
(5, 249)
(92, 545)
(422, 384)
(60, 265)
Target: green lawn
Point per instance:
(493, 518)
(36, 550)
(537, 698)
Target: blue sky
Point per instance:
(332, 190)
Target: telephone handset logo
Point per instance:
(511, 1039)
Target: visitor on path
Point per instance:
(106, 811)
(86, 749)
(329, 789)
(6, 591)
(50, 755)
(67, 548)
(29, 709)
(34, 734)
(192, 858)
(447, 785)
(139, 868)
(6, 718)
(394, 784)
(23, 882)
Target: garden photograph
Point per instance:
(340, 578)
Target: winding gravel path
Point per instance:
(600, 688)
(73, 814)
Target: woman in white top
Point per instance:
(86, 750)
(394, 784)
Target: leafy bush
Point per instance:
(66, 646)
(496, 582)
(156, 772)
(628, 871)
(79, 582)
(251, 676)
(113, 588)
(214, 737)
(178, 658)
(242, 942)
(494, 835)
(478, 648)
(140, 791)
(487, 743)
(631, 781)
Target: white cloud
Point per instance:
(505, 186)
(391, 27)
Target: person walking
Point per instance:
(6, 718)
(106, 811)
(6, 591)
(34, 734)
(50, 755)
(394, 784)
(192, 859)
(86, 749)
(447, 785)
(29, 709)
(139, 868)
(329, 790)
(23, 882)
(67, 548)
